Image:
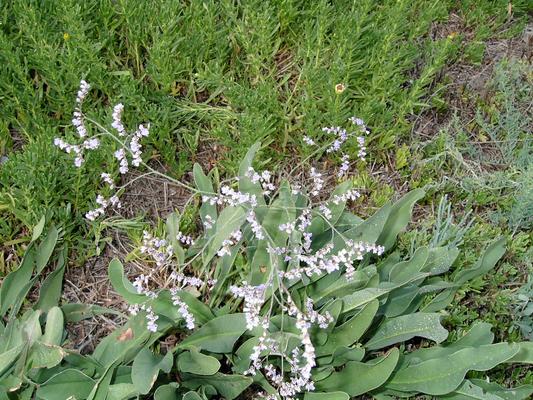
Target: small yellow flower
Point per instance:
(452, 35)
(66, 36)
(339, 88)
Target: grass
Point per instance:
(221, 73)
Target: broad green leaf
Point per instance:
(50, 291)
(480, 334)
(191, 395)
(405, 327)
(100, 389)
(76, 312)
(65, 384)
(357, 378)
(122, 285)
(125, 343)
(218, 335)
(518, 393)
(399, 217)
(44, 355)
(204, 184)
(487, 261)
(399, 301)
(228, 386)
(469, 391)
(11, 288)
(44, 251)
(318, 225)
(202, 313)
(441, 259)
(326, 396)
(246, 162)
(8, 357)
(194, 362)
(167, 392)
(173, 226)
(38, 229)
(405, 270)
(53, 333)
(337, 285)
(524, 355)
(122, 391)
(440, 376)
(351, 331)
(146, 367)
(230, 219)
(261, 264)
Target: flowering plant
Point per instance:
(288, 294)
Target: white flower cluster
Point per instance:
(301, 359)
(318, 182)
(131, 147)
(254, 297)
(323, 261)
(184, 239)
(162, 254)
(79, 123)
(157, 248)
(351, 194)
(151, 317)
(183, 309)
(103, 204)
(230, 197)
(255, 225)
(226, 244)
(341, 137)
(263, 179)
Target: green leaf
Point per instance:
(405, 270)
(167, 392)
(65, 384)
(53, 333)
(405, 327)
(480, 334)
(122, 285)
(194, 362)
(351, 331)
(145, 369)
(489, 259)
(191, 395)
(357, 378)
(399, 217)
(443, 375)
(326, 396)
(518, 393)
(246, 162)
(218, 335)
(524, 355)
(229, 386)
(45, 249)
(469, 391)
(76, 312)
(50, 292)
(8, 357)
(44, 355)
(38, 229)
(230, 219)
(11, 288)
(122, 391)
(204, 184)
